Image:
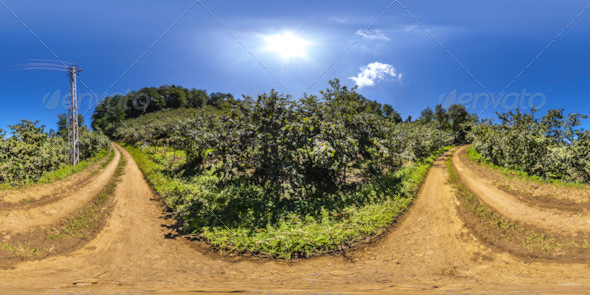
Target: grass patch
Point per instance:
(474, 156)
(68, 170)
(291, 235)
(21, 249)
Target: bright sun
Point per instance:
(287, 45)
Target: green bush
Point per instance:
(285, 177)
(245, 219)
(550, 147)
(30, 151)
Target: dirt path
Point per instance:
(536, 193)
(427, 252)
(52, 212)
(51, 190)
(552, 220)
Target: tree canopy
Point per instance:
(113, 110)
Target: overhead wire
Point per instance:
(34, 64)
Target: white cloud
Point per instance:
(376, 35)
(375, 72)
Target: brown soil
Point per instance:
(69, 234)
(11, 220)
(510, 236)
(551, 220)
(430, 250)
(570, 198)
(41, 194)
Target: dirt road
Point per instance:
(57, 189)
(71, 198)
(551, 220)
(429, 251)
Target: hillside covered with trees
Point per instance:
(289, 178)
(115, 109)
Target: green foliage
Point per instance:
(62, 124)
(426, 116)
(285, 177)
(68, 170)
(160, 128)
(550, 147)
(113, 110)
(456, 120)
(30, 152)
(295, 151)
(239, 218)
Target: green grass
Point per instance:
(512, 173)
(292, 236)
(69, 170)
(20, 249)
(6, 246)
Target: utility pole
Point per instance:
(73, 134)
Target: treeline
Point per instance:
(30, 151)
(551, 146)
(114, 109)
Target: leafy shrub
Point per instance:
(551, 147)
(282, 176)
(30, 152)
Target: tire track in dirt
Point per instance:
(51, 213)
(551, 220)
(425, 252)
(53, 190)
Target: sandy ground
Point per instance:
(565, 197)
(11, 220)
(551, 220)
(52, 190)
(429, 251)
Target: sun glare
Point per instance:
(287, 45)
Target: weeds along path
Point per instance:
(72, 197)
(549, 219)
(428, 251)
(50, 191)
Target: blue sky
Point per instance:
(413, 55)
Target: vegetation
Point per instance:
(477, 158)
(287, 178)
(67, 233)
(503, 232)
(30, 153)
(550, 147)
(81, 225)
(68, 170)
(109, 114)
(292, 235)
